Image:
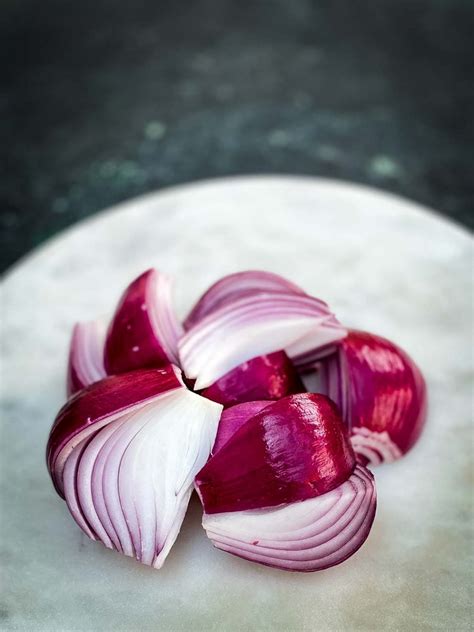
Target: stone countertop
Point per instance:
(106, 100)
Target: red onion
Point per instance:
(293, 449)
(144, 331)
(257, 325)
(271, 376)
(86, 355)
(381, 394)
(303, 536)
(239, 285)
(281, 486)
(124, 453)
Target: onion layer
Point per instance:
(271, 376)
(128, 480)
(86, 355)
(256, 325)
(235, 286)
(99, 404)
(293, 449)
(304, 536)
(144, 331)
(374, 447)
(381, 394)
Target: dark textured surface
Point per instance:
(105, 100)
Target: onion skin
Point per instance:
(93, 406)
(381, 393)
(144, 330)
(304, 536)
(239, 285)
(293, 449)
(270, 376)
(234, 418)
(86, 356)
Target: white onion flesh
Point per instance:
(129, 485)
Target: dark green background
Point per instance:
(105, 100)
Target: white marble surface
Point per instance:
(383, 264)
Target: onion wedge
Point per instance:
(144, 331)
(381, 394)
(303, 536)
(127, 472)
(293, 449)
(256, 325)
(235, 286)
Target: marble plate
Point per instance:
(383, 264)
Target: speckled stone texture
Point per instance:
(382, 264)
(106, 99)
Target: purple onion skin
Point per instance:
(131, 342)
(270, 376)
(234, 418)
(387, 390)
(102, 399)
(295, 448)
